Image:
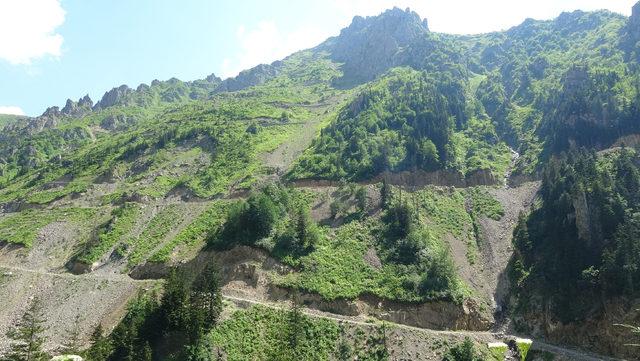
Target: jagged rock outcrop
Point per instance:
(115, 122)
(142, 88)
(370, 46)
(247, 78)
(79, 108)
(115, 96)
(212, 78)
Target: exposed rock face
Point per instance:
(244, 272)
(575, 80)
(212, 78)
(419, 178)
(599, 333)
(115, 96)
(247, 78)
(370, 46)
(115, 122)
(31, 126)
(52, 112)
(79, 108)
(143, 88)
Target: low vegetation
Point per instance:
(23, 227)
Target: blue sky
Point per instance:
(51, 50)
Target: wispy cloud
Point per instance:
(11, 110)
(28, 30)
(265, 43)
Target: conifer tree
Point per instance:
(385, 194)
(146, 354)
(207, 296)
(101, 346)
(295, 319)
(26, 336)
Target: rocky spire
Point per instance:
(370, 46)
(115, 96)
(85, 102)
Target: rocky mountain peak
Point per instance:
(370, 46)
(114, 96)
(250, 77)
(79, 108)
(403, 25)
(53, 111)
(69, 107)
(85, 101)
(212, 78)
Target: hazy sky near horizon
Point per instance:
(51, 50)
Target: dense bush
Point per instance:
(274, 217)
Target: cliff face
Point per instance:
(370, 46)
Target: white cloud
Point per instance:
(266, 43)
(11, 110)
(469, 17)
(28, 29)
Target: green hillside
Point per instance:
(378, 176)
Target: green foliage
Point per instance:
(22, 228)
(191, 303)
(209, 221)
(276, 218)
(122, 220)
(130, 338)
(401, 122)
(483, 203)
(26, 336)
(165, 221)
(464, 351)
(254, 219)
(100, 346)
(413, 263)
(188, 310)
(265, 334)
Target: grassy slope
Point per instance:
(204, 147)
(340, 266)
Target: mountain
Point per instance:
(482, 184)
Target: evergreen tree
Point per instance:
(361, 199)
(174, 301)
(296, 326)
(26, 336)
(146, 354)
(101, 346)
(385, 194)
(207, 294)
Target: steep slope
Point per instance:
(419, 147)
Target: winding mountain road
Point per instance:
(244, 303)
(537, 345)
